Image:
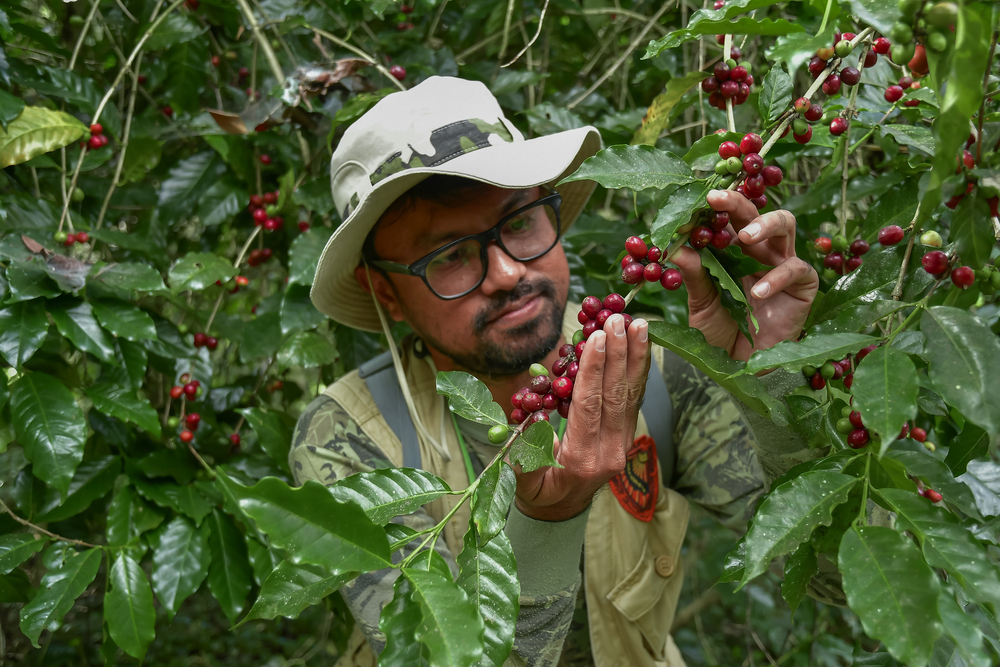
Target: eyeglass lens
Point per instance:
(525, 236)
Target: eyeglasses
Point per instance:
(459, 267)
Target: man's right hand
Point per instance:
(601, 424)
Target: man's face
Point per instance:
(511, 320)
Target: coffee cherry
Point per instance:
(82, 237)
(848, 381)
(516, 399)
(94, 142)
(858, 438)
(904, 432)
(738, 73)
(720, 220)
(636, 247)
(859, 247)
(602, 317)
(816, 67)
(871, 58)
(531, 401)
(719, 4)
(932, 495)
(844, 425)
(562, 387)
(963, 276)
(259, 215)
(540, 416)
(589, 328)
(893, 94)
(167, 111)
(744, 93)
(829, 371)
(199, 339)
(835, 261)
(652, 272)
(722, 167)
(633, 273)
(814, 113)
(211, 342)
(754, 186)
(729, 149)
(935, 262)
(817, 382)
(175, 392)
(721, 71)
(918, 434)
(398, 71)
(882, 46)
(192, 421)
(654, 254)
(823, 244)
(626, 260)
(671, 279)
(805, 136)
(519, 415)
(843, 48)
(721, 239)
(265, 159)
(751, 144)
(753, 164)
(891, 235)
(931, 238)
(852, 263)
(735, 52)
(759, 202)
(701, 236)
(615, 303)
(855, 418)
(498, 434)
(802, 105)
(591, 306)
(186, 436)
(729, 88)
(303, 226)
(968, 160)
(572, 369)
(734, 165)
(832, 85)
(549, 401)
(772, 175)
(710, 85)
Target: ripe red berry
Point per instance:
(738, 73)
(142, 79)
(802, 105)
(719, 4)
(540, 384)
(615, 303)
(832, 85)
(591, 306)
(519, 415)
(96, 129)
(398, 71)
(516, 399)
(968, 160)
(772, 175)
(531, 401)
(904, 432)
(272, 224)
(259, 215)
(654, 254)
(720, 220)
(265, 159)
(963, 276)
(759, 202)
(823, 244)
(269, 198)
(729, 149)
(406, 9)
(721, 239)
(175, 392)
(804, 138)
(858, 438)
(216, 61)
(303, 226)
(855, 418)
(211, 342)
(753, 164)
(562, 387)
(652, 272)
(859, 247)
(816, 66)
(729, 88)
(838, 126)
(835, 261)
(168, 112)
(550, 401)
(257, 200)
(814, 113)
(199, 339)
(882, 46)
(710, 85)
(751, 143)
(853, 263)
(636, 247)
(671, 279)
(754, 186)
(864, 352)
(235, 439)
(893, 94)
(94, 143)
(190, 390)
(905, 82)
(932, 495)
(244, 72)
(721, 71)
(627, 259)
(192, 421)
(186, 436)
(848, 381)
(850, 76)
(890, 235)
(602, 317)
(82, 237)
(918, 434)
(817, 382)
(744, 93)
(935, 262)
(185, 378)
(701, 236)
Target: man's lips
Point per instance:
(517, 310)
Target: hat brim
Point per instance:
(521, 164)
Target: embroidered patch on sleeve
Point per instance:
(638, 486)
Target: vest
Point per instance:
(632, 570)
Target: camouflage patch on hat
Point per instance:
(449, 142)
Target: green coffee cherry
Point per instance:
(829, 274)
(930, 445)
(77, 195)
(995, 280)
(983, 274)
(988, 289)
(902, 53)
(538, 369)
(809, 371)
(937, 42)
(731, 62)
(843, 48)
(922, 24)
(846, 411)
(577, 336)
(942, 15)
(734, 165)
(901, 33)
(182, 329)
(747, 66)
(828, 370)
(173, 422)
(844, 425)
(498, 434)
(931, 238)
(59, 237)
(199, 393)
(840, 243)
(799, 126)
(722, 167)
(909, 8)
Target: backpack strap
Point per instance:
(658, 411)
(380, 376)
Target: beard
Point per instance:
(510, 352)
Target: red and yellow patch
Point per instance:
(638, 486)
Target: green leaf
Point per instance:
(690, 344)
(737, 303)
(184, 499)
(963, 627)
(812, 350)
(965, 366)
(304, 254)
(274, 437)
(315, 196)
(37, 131)
(790, 513)
(198, 270)
(972, 231)
(180, 563)
(452, 627)
(78, 324)
(635, 167)
(50, 426)
(10, 108)
(121, 402)
(142, 156)
(124, 320)
(389, 492)
(128, 607)
(129, 517)
(399, 622)
(895, 207)
(15, 587)
(491, 501)
(853, 318)
(313, 525)
(93, 480)
(129, 276)
(177, 28)
(488, 574)
(800, 568)
(677, 211)
(290, 588)
(775, 95)
(736, 263)
(890, 587)
(297, 311)
(59, 590)
(261, 337)
(880, 14)
(911, 135)
(229, 573)
(470, 398)
(306, 349)
(221, 202)
(972, 443)
(746, 25)
(187, 182)
(533, 448)
(17, 548)
(657, 116)
(704, 153)
(885, 392)
(947, 545)
(23, 327)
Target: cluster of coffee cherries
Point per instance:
(932, 21)
(639, 264)
(259, 256)
(894, 93)
(989, 278)
(69, 239)
(404, 23)
(730, 80)
(938, 264)
(594, 313)
(97, 137)
(544, 394)
(745, 157)
(839, 255)
(834, 370)
(258, 210)
(201, 339)
(968, 162)
(190, 389)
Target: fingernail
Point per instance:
(761, 289)
(618, 325)
(752, 230)
(643, 330)
(599, 340)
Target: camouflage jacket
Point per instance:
(721, 466)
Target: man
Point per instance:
(417, 176)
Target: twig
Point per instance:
(236, 265)
(83, 34)
(259, 37)
(208, 468)
(982, 106)
(121, 6)
(434, 22)
(849, 115)
(701, 91)
(625, 56)
(727, 51)
(897, 291)
(506, 28)
(344, 45)
(25, 522)
(541, 21)
(753, 633)
(460, 58)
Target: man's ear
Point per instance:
(384, 291)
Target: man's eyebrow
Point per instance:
(515, 200)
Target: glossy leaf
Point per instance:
(59, 590)
(704, 154)
(77, 323)
(177, 28)
(229, 572)
(737, 303)
(800, 568)
(272, 434)
(972, 443)
(15, 587)
(17, 548)
(488, 574)
(885, 392)
(965, 366)
(972, 230)
(877, 13)
(196, 271)
(938, 476)
(121, 402)
(128, 607)
(892, 590)
(775, 95)
(470, 398)
(492, 500)
(964, 629)
(304, 255)
(124, 319)
(10, 108)
(676, 211)
(221, 202)
(790, 513)
(180, 562)
(657, 117)
(143, 156)
(261, 337)
(895, 207)
(297, 311)
(93, 480)
(399, 622)
(306, 349)
(188, 179)
(635, 167)
(22, 330)
(533, 448)
(451, 628)
(50, 426)
(129, 276)
(184, 499)
(129, 517)
(812, 350)
(37, 131)
(389, 492)
(290, 588)
(746, 25)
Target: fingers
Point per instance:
(793, 276)
(775, 227)
(639, 356)
(588, 388)
(615, 374)
(741, 211)
(700, 288)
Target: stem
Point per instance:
(541, 21)
(83, 34)
(125, 135)
(344, 45)
(236, 265)
(849, 115)
(727, 50)
(910, 319)
(826, 17)
(897, 291)
(207, 467)
(272, 59)
(506, 28)
(982, 106)
(864, 494)
(28, 524)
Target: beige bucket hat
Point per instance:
(444, 125)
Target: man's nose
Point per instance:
(504, 273)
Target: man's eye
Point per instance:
(519, 224)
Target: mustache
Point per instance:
(500, 301)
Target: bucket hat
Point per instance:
(444, 125)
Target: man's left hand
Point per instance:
(780, 297)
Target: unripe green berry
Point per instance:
(734, 165)
(846, 411)
(937, 42)
(538, 369)
(173, 422)
(942, 15)
(577, 336)
(844, 425)
(77, 195)
(995, 280)
(930, 445)
(901, 33)
(747, 66)
(799, 126)
(909, 8)
(722, 167)
(902, 53)
(59, 237)
(984, 274)
(182, 329)
(498, 434)
(731, 62)
(809, 371)
(843, 48)
(829, 274)
(828, 370)
(198, 394)
(840, 243)
(931, 238)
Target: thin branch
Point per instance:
(541, 21)
(434, 23)
(897, 291)
(353, 49)
(727, 53)
(982, 106)
(849, 116)
(460, 58)
(28, 524)
(83, 34)
(506, 27)
(236, 265)
(272, 59)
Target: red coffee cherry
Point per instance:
(562, 387)
(932, 495)
(804, 138)
(904, 432)
(721, 71)
(893, 94)
(615, 303)
(850, 76)
(175, 392)
(814, 113)
(516, 399)
(518, 415)
(531, 402)
(963, 276)
(720, 220)
(905, 82)
(848, 381)
(540, 416)
(550, 401)
(265, 159)
(257, 201)
(710, 85)
(96, 128)
(654, 254)
(235, 439)
(602, 317)
(671, 279)
(835, 261)
(823, 244)
(211, 342)
(855, 418)
(858, 438)
(199, 339)
(859, 247)
(591, 306)
(864, 352)
(802, 105)
(744, 93)
(759, 202)
(832, 85)
(589, 328)
(192, 421)
(216, 61)
(636, 247)
(729, 149)
(652, 272)
(772, 175)
(754, 186)
(882, 46)
(751, 143)
(738, 73)
(398, 71)
(838, 126)
(753, 164)
(871, 58)
(935, 262)
(701, 236)
(303, 226)
(259, 215)
(244, 72)
(890, 235)
(816, 66)
(186, 436)
(817, 382)
(94, 143)
(968, 160)
(918, 434)
(721, 239)
(167, 111)
(729, 88)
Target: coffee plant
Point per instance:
(166, 198)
